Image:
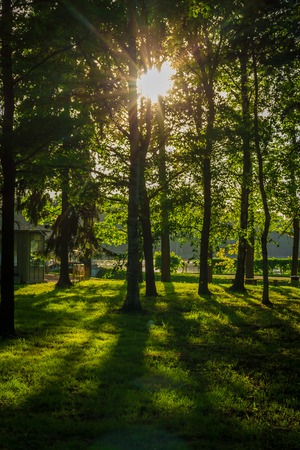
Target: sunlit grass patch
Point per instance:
(209, 373)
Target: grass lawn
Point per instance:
(186, 373)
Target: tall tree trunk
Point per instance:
(87, 253)
(210, 267)
(207, 208)
(205, 232)
(147, 242)
(264, 237)
(207, 80)
(64, 276)
(145, 216)
(165, 230)
(9, 175)
(132, 301)
(250, 258)
(296, 219)
(238, 284)
(7, 258)
(87, 261)
(250, 253)
(295, 254)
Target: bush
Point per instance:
(175, 261)
(282, 264)
(111, 273)
(225, 265)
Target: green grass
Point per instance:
(186, 373)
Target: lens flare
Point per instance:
(155, 83)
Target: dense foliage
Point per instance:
(216, 159)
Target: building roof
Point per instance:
(21, 224)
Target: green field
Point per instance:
(186, 373)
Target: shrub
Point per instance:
(282, 264)
(112, 273)
(223, 263)
(175, 261)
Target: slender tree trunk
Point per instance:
(9, 175)
(132, 301)
(264, 238)
(238, 284)
(251, 241)
(87, 267)
(296, 219)
(147, 243)
(205, 232)
(210, 268)
(64, 276)
(165, 231)
(141, 275)
(145, 215)
(295, 254)
(207, 208)
(207, 81)
(250, 258)
(87, 254)
(7, 258)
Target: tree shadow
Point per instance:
(183, 379)
(225, 359)
(87, 401)
(195, 364)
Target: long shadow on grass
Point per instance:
(235, 366)
(90, 389)
(197, 387)
(263, 346)
(265, 333)
(128, 395)
(123, 383)
(283, 317)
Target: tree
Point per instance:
(259, 139)
(260, 28)
(238, 284)
(264, 237)
(28, 125)
(205, 45)
(286, 110)
(163, 181)
(132, 301)
(8, 171)
(145, 210)
(63, 225)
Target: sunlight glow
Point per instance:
(155, 83)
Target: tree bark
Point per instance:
(147, 243)
(238, 284)
(64, 276)
(295, 254)
(250, 258)
(7, 259)
(145, 216)
(250, 253)
(87, 268)
(205, 232)
(264, 237)
(9, 175)
(207, 79)
(296, 219)
(165, 229)
(132, 301)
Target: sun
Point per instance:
(155, 83)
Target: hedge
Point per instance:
(220, 265)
